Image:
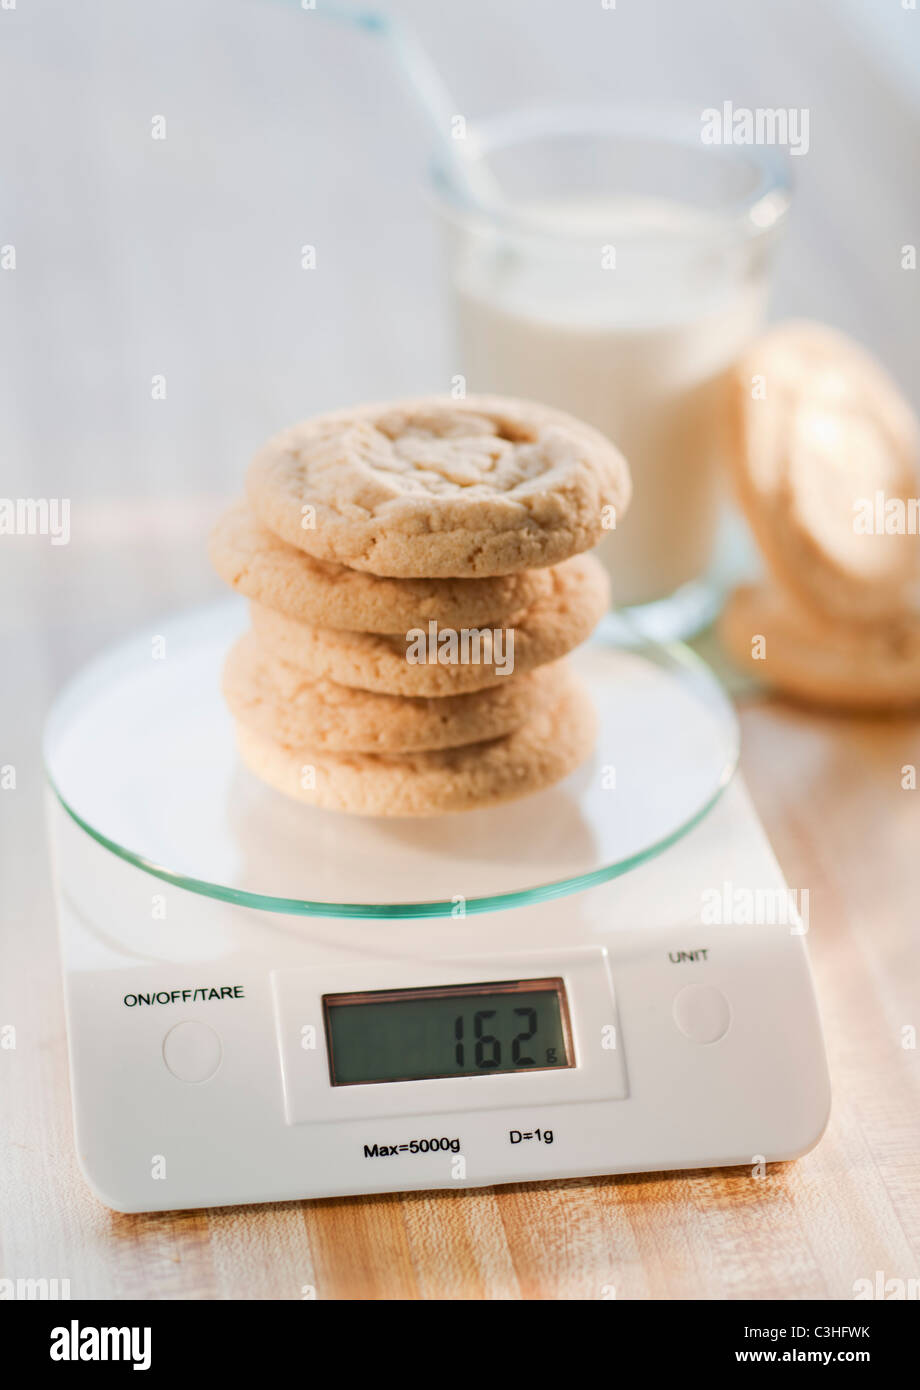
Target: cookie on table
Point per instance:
(258, 564)
(821, 431)
(437, 488)
(537, 755)
(820, 662)
(282, 703)
(551, 627)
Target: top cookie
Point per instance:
(436, 488)
(823, 436)
(255, 562)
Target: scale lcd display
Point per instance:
(452, 1030)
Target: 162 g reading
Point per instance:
(457, 1030)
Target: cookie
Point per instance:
(436, 488)
(257, 563)
(282, 703)
(828, 664)
(829, 437)
(578, 598)
(537, 755)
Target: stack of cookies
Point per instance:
(416, 576)
(827, 470)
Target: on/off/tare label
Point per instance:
(412, 1146)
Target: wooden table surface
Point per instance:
(182, 258)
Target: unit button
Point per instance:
(192, 1051)
(702, 1013)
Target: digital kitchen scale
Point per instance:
(268, 1001)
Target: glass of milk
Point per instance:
(615, 266)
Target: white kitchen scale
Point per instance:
(269, 1001)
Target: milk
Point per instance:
(627, 313)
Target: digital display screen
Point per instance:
(453, 1030)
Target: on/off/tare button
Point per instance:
(702, 1013)
(192, 1051)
